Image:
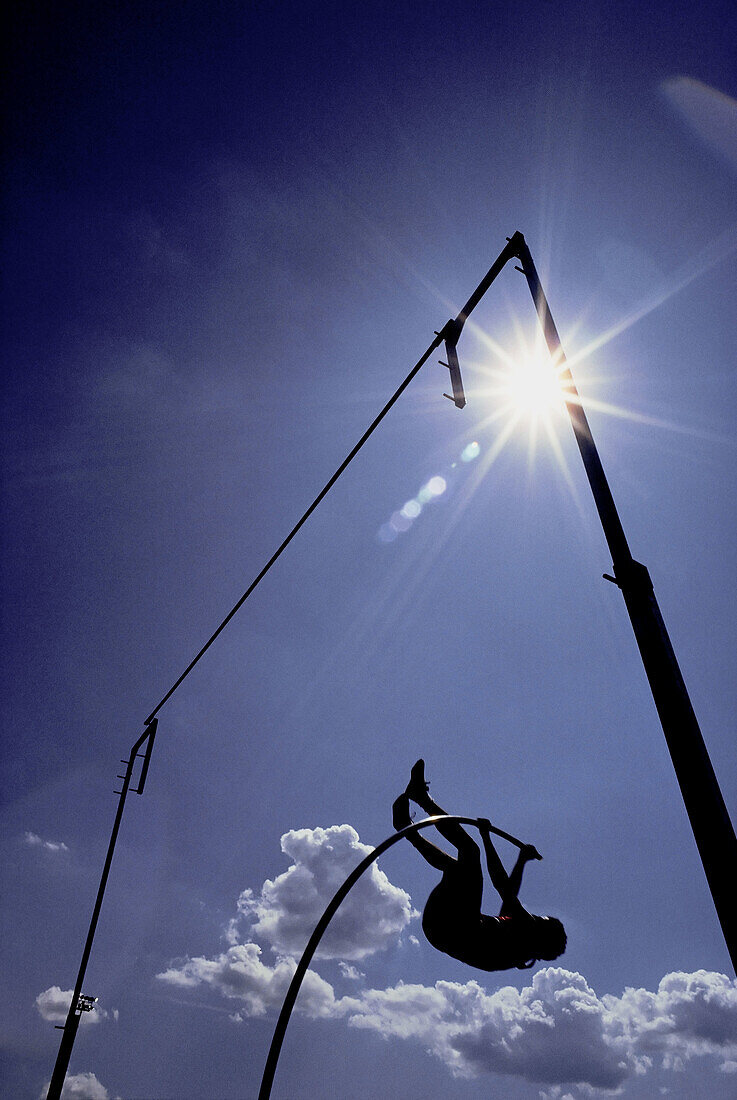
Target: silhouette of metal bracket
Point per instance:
(149, 740)
(450, 335)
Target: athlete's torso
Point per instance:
(484, 942)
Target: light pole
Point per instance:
(710, 822)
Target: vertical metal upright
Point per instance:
(707, 812)
(79, 1003)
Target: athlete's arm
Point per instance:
(497, 874)
(526, 853)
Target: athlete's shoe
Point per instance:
(417, 787)
(400, 812)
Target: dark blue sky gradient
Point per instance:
(230, 230)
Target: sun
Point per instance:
(527, 393)
(532, 385)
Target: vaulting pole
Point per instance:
(330, 911)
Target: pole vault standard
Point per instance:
(79, 1003)
(707, 812)
(330, 911)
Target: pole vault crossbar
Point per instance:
(321, 926)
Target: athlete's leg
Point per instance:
(435, 856)
(417, 789)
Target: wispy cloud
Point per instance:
(35, 841)
(710, 114)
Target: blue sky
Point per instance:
(230, 230)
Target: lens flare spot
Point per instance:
(412, 509)
(436, 486)
(386, 533)
(400, 523)
(470, 452)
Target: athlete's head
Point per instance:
(548, 940)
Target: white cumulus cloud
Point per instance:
(81, 1086)
(240, 973)
(284, 914)
(689, 1015)
(556, 1032)
(553, 1031)
(288, 907)
(351, 973)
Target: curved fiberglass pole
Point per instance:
(294, 987)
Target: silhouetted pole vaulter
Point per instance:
(452, 919)
(79, 1002)
(332, 907)
(707, 812)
